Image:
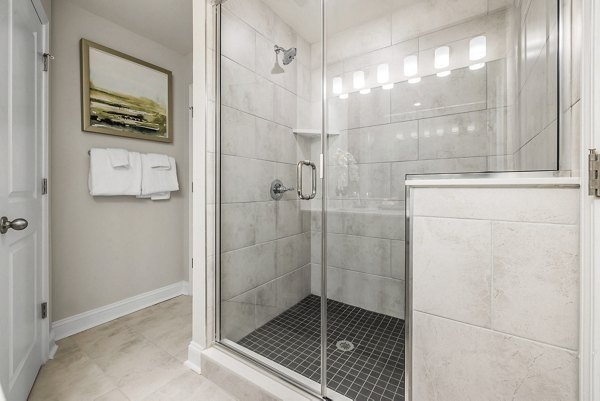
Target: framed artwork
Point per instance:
(124, 96)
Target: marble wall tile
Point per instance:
(503, 204)
(452, 269)
(238, 316)
(367, 223)
(255, 13)
(440, 13)
(360, 110)
(537, 262)
(384, 143)
(365, 254)
(289, 218)
(536, 32)
(454, 362)
(246, 180)
(245, 224)
(292, 253)
(360, 39)
(464, 90)
(237, 86)
(454, 136)
(293, 287)
(247, 268)
(284, 107)
(540, 153)
(375, 293)
(237, 40)
(398, 260)
(497, 84)
(238, 133)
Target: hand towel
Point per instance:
(156, 181)
(105, 180)
(159, 161)
(118, 157)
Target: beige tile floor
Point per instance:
(138, 357)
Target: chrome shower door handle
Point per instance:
(299, 185)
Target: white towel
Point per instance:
(118, 157)
(159, 161)
(105, 180)
(158, 181)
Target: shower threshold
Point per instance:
(365, 349)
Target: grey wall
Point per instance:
(265, 265)
(108, 249)
(495, 293)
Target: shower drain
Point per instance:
(344, 346)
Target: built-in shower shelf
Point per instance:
(312, 133)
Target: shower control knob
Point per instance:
(278, 189)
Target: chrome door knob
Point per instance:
(16, 224)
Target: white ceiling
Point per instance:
(168, 22)
(304, 16)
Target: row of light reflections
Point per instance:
(477, 52)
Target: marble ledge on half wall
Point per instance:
(499, 179)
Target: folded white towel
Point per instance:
(105, 180)
(156, 196)
(118, 157)
(159, 161)
(157, 181)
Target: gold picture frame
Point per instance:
(124, 96)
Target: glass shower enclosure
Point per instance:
(320, 109)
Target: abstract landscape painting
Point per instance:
(124, 96)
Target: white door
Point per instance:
(21, 124)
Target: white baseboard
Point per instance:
(194, 357)
(52, 347)
(86, 320)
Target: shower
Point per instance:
(288, 56)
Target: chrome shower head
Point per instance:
(288, 56)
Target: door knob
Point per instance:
(16, 224)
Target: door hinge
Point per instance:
(594, 172)
(191, 109)
(192, 263)
(44, 310)
(47, 57)
(44, 186)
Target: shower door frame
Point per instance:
(216, 15)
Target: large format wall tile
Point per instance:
(375, 293)
(245, 224)
(452, 269)
(365, 254)
(464, 90)
(246, 180)
(247, 268)
(454, 136)
(507, 204)
(384, 143)
(237, 40)
(453, 361)
(536, 282)
(439, 14)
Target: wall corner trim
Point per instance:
(75, 324)
(194, 357)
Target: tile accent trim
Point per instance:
(75, 324)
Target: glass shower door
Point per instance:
(268, 186)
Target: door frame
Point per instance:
(48, 345)
(589, 368)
